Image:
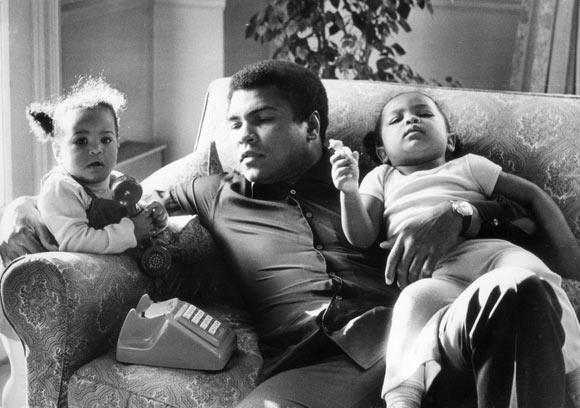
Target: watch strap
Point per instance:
(466, 224)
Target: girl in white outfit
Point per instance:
(415, 178)
(76, 201)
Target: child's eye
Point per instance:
(235, 125)
(394, 120)
(106, 140)
(80, 141)
(425, 114)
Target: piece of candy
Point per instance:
(335, 145)
(339, 147)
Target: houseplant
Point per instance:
(351, 39)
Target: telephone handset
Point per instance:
(176, 334)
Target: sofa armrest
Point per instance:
(66, 309)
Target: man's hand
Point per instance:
(415, 251)
(22, 230)
(158, 215)
(144, 227)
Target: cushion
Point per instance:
(203, 162)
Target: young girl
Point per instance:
(414, 141)
(76, 199)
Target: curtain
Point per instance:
(546, 57)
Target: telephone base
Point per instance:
(175, 334)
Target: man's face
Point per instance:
(271, 145)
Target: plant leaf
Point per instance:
(335, 3)
(329, 17)
(398, 49)
(251, 26)
(404, 10)
(405, 25)
(333, 29)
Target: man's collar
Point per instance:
(318, 173)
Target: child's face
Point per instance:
(87, 143)
(414, 132)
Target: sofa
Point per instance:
(67, 309)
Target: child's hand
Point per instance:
(158, 215)
(144, 227)
(345, 172)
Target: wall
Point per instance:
(162, 53)
(113, 38)
(238, 50)
(188, 43)
(470, 40)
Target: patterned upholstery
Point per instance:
(67, 308)
(105, 382)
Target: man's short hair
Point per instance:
(299, 86)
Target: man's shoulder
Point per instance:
(212, 183)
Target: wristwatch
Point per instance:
(465, 210)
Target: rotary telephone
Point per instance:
(155, 257)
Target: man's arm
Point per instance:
(177, 200)
(417, 249)
(22, 230)
(550, 218)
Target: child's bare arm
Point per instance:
(360, 215)
(549, 217)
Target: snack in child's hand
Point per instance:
(335, 145)
(339, 147)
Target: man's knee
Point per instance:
(517, 292)
(493, 309)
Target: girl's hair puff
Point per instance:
(89, 92)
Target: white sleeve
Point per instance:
(373, 183)
(62, 206)
(484, 172)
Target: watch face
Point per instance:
(463, 208)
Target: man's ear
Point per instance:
(382, 154)
(313, 126)
(451, 142)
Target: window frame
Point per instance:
(6, 190)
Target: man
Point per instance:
(321, 306)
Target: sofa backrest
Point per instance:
(536, 136)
